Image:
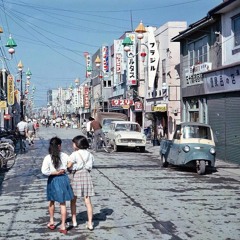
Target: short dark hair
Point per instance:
(81, 142)
(91, 118)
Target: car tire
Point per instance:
(142, 149)
(164, 162)
(201, 168)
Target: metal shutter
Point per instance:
(233, 127)
(216, 111)
(224, 116)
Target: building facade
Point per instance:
(210, 75)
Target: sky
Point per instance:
(52, 35)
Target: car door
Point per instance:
(174, 147)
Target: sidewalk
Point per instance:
(232, 168)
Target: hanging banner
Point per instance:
(153, 57)
(118, 61)
(131, 62)
(86, 98)
(10, 90)
(105, 59)
(88, 63)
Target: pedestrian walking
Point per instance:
(30, 132)
(22, 133)
(81, 163)
(58, 185)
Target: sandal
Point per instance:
(89, 227)
(51, 226)
(64, 231)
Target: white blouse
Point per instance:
(82, 159)
(48, 167)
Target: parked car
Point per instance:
(192, 145)
(126, 134)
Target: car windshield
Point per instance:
(128, 127)
(107, 124)
(197, 132)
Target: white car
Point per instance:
(126, 134)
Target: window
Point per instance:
(198, 51)
(236, 30)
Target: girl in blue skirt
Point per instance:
(58, 186)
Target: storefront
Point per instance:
(217, 103)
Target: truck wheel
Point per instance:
(201, 168)
(164, 162)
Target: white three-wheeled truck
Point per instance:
(192, 145)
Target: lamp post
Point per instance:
(127, 42)
(100, 76)
(3, 89)
(28, 74)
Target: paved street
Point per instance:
(135, 198)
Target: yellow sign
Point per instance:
(10, 90)
(3, 104)
(159, 108)
(125, 106)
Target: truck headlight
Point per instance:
(212, 150)
(186, 148)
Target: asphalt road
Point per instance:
(135, 198)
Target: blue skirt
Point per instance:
(59, 188)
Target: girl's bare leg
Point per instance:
(74, 210)
(51, 209)
(63, 215)
(89, 210)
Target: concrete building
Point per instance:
(210, 75)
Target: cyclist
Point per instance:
(97, 129)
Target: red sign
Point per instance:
(7, 116)
(86, 97)
(122, 102)
(138, 106)
(118, 62)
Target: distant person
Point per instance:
(54, 123)
(22, 127)
(88, 128)
(81, 163)
(58, 186)
(22, 131)
(84, 127)
(97, 129)
(30, 132)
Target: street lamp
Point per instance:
(100, 76)
(28, 74)
(127, 43)
(10, 44)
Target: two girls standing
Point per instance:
(59, 189)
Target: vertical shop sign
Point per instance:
(10, 90)
(105, 59)
(131, 63)
(153, 57)
(86, 97)
(118, 61)
(88, 63)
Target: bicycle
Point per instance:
(7, 154)
(100, 143)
